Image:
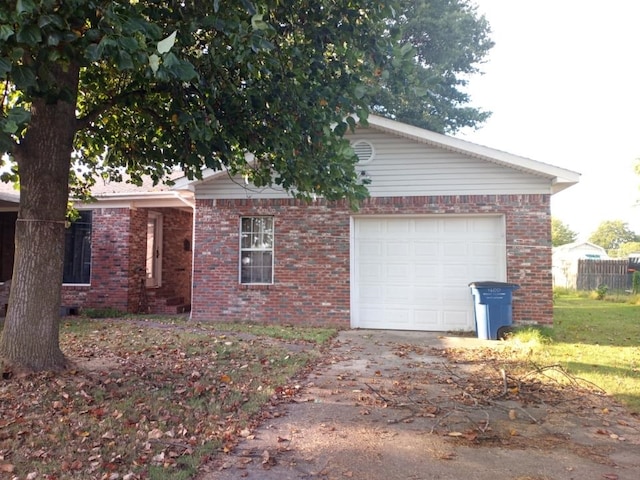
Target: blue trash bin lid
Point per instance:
(491, 284)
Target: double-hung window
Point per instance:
(256, 250)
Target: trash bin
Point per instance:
(492, 307)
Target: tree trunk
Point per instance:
(30, 338)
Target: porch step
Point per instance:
(174, 301)
(184, 308)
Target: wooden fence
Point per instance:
(612, 273)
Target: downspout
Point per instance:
(193, 237)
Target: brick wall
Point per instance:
(110, 265)
(313, 260)
(118, 261)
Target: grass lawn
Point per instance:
(147, 399)
(594, 340)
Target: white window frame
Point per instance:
(258, 246)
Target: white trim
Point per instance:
(164, 199)
(272, 249)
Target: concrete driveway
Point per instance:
(388, 405)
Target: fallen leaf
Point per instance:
(267, 460)
(7, 467)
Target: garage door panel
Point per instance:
(412, 273)
(398, 273)
(371, 249)
(455, 227)
(425, 249)
(427, 319)
(456, 250)
(428, 229)
(457, 319)
(485, 272)
(427, 274)
(397, 294)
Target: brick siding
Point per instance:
(118, 260)
(312, 256)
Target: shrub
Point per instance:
(635, 282)
(102, 312)
(601, 292)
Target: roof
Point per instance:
(559, 178)
(576, 245)
(114, 193)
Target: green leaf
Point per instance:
(154, 62)
(185, 71)
(5, 67)
(257, 22)
(360, 91)
(25, 6)
(9, 126)
(249, 7)
(45, 20)
(6, 145)
(6, 32)
(165, 45)
(130, 44)
(29, 34)
(124, 61)
(406, 49)
(23, 77)
(16, 54)
(19, 114)
(53, 39)
(340, 129)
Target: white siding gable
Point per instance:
(223, 186)
(409, 161)
(402, 167)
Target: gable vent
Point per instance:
(364, 151)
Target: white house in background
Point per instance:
(564, 261)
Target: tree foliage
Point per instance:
(627, 248)
(193, 84)
(451, 40)
(262, 88)
(142, 87)
(610, 234)
(561, 233)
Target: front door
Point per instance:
(154, 249)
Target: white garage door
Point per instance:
(412, 273)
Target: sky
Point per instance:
(563, 83)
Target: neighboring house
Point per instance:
(443, 212)
(564, 261)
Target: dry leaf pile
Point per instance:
(138, 403)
